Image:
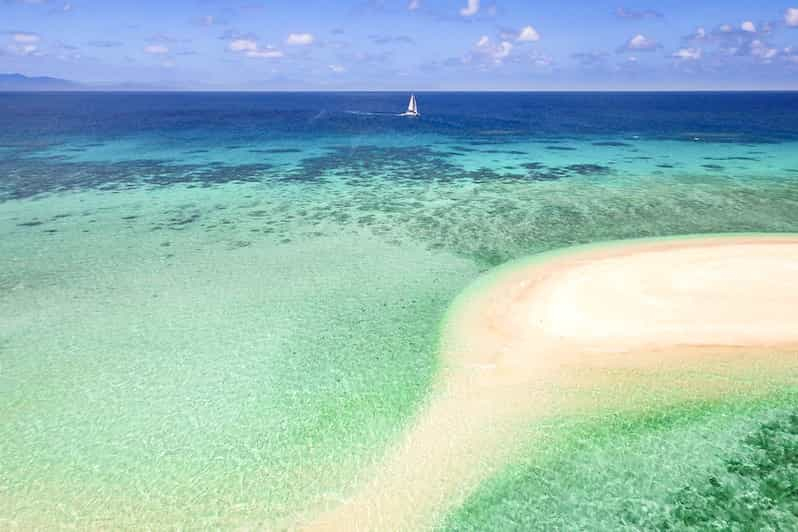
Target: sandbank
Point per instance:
(611, 326)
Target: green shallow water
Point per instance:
(645, 471)
(239, 353)
(183, 380)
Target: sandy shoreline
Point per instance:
(690, 318)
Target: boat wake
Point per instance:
(412, 110)
(372, 113)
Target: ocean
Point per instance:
(220, 309)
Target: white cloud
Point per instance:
(23, 43)
(300, 39)
(688, 54)
(726, 28)
(156, 49)
(748, 26)
(528, 34)
(413, 5)
(471, 9)
(338, 69)
(24, 49)
(503, 51)
(264, 53)
(699, 34)
(250, 48)
(25, 38)
(762, 51)
(640, 43)
(242, 45)
(495, 52)
(791, 17)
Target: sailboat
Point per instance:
(412, 107)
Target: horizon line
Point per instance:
(419, 91)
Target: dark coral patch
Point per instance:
(541, 172)
(613, 144)
(276, 150)
(26, 177)
(533, 166)
(731, 159)
(588, 169)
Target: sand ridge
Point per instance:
(570, 330)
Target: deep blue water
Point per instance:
(732, 117)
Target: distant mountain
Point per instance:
(18, 82)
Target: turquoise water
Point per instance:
(221, 310)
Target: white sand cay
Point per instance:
(673, 319)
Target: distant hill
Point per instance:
(18, 82)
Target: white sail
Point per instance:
(412, 107)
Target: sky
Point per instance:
(405, 44)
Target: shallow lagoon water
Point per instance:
(218, 310)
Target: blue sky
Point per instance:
(406, 44)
